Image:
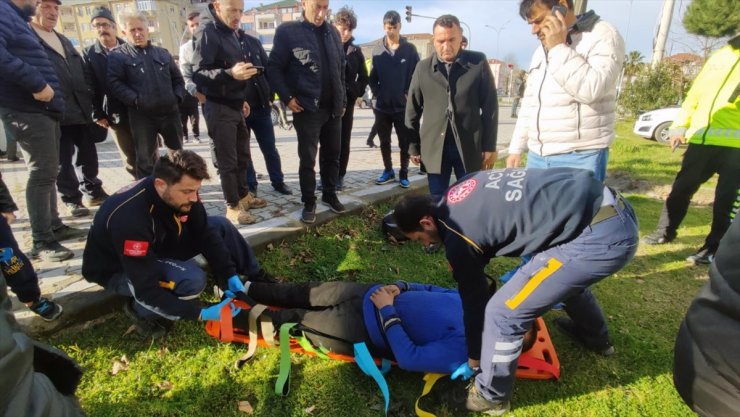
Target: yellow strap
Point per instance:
(550, 268)
(431, 378)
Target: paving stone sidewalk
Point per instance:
(62, 281)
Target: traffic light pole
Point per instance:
(408, 19)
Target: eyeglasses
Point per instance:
(102, 26)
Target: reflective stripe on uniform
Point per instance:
(544, 273)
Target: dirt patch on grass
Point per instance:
(624, 183)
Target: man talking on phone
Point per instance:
(568, 108)
(223, 68)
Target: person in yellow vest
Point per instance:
(710, 120)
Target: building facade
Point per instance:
(167, 20)
(262, 21)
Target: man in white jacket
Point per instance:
(568, 109)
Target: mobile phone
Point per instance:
(260, 69)
(558, 8)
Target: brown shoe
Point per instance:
(250, 201)
(238, 216)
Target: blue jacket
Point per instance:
(294, 65)
(430, 336)
(24, 67)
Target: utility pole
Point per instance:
(579, 6)
(662, 37)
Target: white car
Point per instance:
(654, 124)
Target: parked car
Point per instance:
(654, 124)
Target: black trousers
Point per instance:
(699, 164)
(230, 138)
(192, 114)
(347, 122)
(145, 129)
(330, 308)
(78, 165)
(384, 122)
(316, 129)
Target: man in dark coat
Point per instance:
(31, 105)
(222, 70)
(455, 90)
(146, 79)
(77, 128)
(306, 69)
(107, 111)
(355, 82)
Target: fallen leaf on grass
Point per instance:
(165, 385)
(246, 407)
(119, 365)
(309, 410)
(131, 329)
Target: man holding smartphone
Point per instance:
(222, 71)
(569, 106)
(259, 121)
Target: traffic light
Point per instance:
(408, 14)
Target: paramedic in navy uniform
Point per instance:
(579, 231)
(143, 238)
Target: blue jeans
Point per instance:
(438, 183)
(260, 122)
(594, 160)
(563, 273)
(38, 136)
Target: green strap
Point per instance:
(282, 387)
(308, 347)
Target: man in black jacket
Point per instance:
(706, 371)
(455, 91)
(147, 81)
(143, 238)
(107, 111)
(80, 176)
(306, 69)
(222, 69)
(355, 81)
(259, 121)
(394, 60)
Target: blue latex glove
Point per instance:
(213, 313)
(235, 284)
(464, 371)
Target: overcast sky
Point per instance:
(636, 20)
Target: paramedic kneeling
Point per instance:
(580, 233)
(143, 238)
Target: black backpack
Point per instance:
(391, 231)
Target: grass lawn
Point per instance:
(190, 374)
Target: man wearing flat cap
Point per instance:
(107, 111)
